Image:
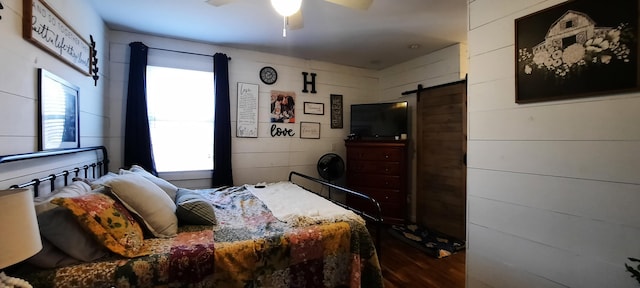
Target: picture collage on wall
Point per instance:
(282, 110)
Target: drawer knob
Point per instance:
(386, 156)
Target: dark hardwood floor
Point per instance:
(405, 266)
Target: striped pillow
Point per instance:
(194, 208)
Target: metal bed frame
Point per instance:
(99, 168)
(376, 218)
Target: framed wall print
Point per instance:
(247, 114)
(46, 29)
(314, 108)
(59, 119)
(283, 107)
(336, 111)
(310, 130)
(576, 49)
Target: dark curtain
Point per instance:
(222, 175)
(137, 138)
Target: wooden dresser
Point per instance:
(379, 169)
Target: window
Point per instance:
(568, 24)
(181, 107)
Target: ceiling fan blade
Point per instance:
(218, 2)
(355, 4)
(294, 21)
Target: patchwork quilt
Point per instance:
(248, 247)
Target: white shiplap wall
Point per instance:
(19, 78)
(553, 187)
(264, 158)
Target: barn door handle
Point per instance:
(464, 159)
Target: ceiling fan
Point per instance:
(292, 14)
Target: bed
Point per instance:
(268, 235)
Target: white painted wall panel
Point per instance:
(492, 95)
(579, 235)
(597, 160)
(585, 120)
(492, 66)
(483, 272)
(537, 259)
(613, 203)
(553, 185)
(18, 116)
(500, 32)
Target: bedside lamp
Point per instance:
(19, 233)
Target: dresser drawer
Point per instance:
(376, 154)
(382, 195)
(371, 167)
(374, 181)
(389, 209)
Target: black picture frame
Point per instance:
(310, 130)
(336, 111)
(577, 49)
(58, 112)
(313, 108)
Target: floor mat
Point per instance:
(431, 242)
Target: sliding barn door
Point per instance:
(441, 151)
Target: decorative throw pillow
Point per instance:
(165, 185)
(148, 201)
(108, 221)
(194, 208)
(60, 227)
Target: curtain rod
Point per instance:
(184, 52)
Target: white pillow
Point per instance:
(169, 188)
(96, 183)
(148, 201)
(76, 188)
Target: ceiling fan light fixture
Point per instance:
(286, 8)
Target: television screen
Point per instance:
(379, 120)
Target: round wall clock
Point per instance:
(268, 75)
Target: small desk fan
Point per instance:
(330, 167)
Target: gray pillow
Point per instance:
(193, 208)
(51, 257)
(61, 228)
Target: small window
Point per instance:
(568, 24)
(181, 109)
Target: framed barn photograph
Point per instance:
(577, 49)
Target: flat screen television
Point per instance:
(381, 121)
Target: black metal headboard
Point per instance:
(91, 170)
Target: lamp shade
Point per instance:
(19, 233)
(286, 8)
